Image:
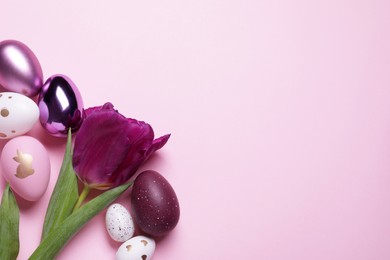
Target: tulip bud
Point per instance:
(109, 147)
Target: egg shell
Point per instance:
(20, 70)
(25, 165)
(137, 248)
(119, 224)
(18, 114)
(154, 204)
(60, 105)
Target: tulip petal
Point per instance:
(157, 144)
(141, 137)
(160, 142)
(140, 133)
(106, 106)
(100, 146)
(136, 158)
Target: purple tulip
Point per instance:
(109, 147)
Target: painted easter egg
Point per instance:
(20, 70)
(119, 223)
(139, 247)
(60, 105)
(25, 165)
(154, 204)
(18, 114)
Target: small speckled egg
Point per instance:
(137, 248)
(18, 114)
(25, 165)
(119, 224)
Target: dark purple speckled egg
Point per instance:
(154, 204)
(60, 106)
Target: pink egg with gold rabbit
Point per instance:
(25, 165)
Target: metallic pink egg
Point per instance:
(20, 70)
(60, 106)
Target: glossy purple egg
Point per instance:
(20, 70)
(60, 106)
(154, 204)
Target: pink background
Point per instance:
(279, 113)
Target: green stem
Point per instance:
(82, 197)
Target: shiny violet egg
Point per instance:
(20, 70)
(60, 106)
(154, 204)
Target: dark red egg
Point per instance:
(154, 204)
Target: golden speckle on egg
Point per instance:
(3, 135)
(144, 242)
(4, 112)
(128, 248)
(13, 131)
(144, 257)
(9, 96)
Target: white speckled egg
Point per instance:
(119, 224)
(137, 248)
(18, 114)
(25, 165)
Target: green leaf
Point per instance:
(9, 226)
(65, 193)
(58, 237)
